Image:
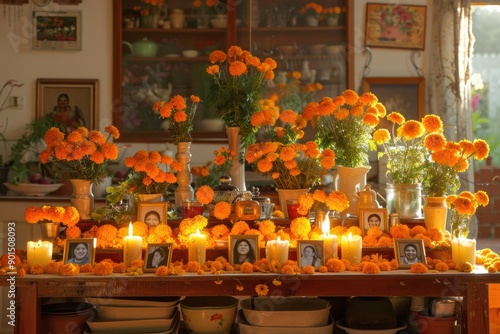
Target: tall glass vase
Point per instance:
(184, 189)
(404, 199)
(351, 180)
(82, 198)
(237, 171)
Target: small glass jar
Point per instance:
(246, 208)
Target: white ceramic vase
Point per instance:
(351, 180)
(237, 171)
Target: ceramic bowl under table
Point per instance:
(209, 314)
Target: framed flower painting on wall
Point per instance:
(395, 26)
(73, 102)
(57, 30)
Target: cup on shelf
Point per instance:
(292, 205)
(266, 210)
(191, 208)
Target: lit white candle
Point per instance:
(197, 247)
(463, 250)
(330, 242)
(39, 253)
(132, 247)
(351, 247)
(277, 250)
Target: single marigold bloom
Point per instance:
(432, 123)
(162, 271)
(308, 270)
(69, 269)
(441, 266)
(412, 129)
(335, 265)
(370, 268)
(103, 268)
(481, 149)
(400, 231)
(246, 267)
(419, 268)
(262, 289)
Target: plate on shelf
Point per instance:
(33, 189)
(172, 55)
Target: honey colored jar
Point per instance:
(246, 208)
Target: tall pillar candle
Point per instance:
(132, 247)
(351, 247)
(330, 242)
(277, 250)
(197, 247)
(463, 250)
(39, 253)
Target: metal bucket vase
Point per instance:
(49, 230)
(404, 199)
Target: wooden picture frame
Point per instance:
(252, 240)
(395, 26)
(61, 31)
(73, 245)
(152, 213)
(373, 217)
(405, 95)
(164, 251)
(400, 247)
(318, 254)
(83, 96)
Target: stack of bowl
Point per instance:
(285, 315)
(135, 315)
(209, 314)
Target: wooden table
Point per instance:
(473, 287)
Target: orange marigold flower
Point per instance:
(262, 289)
(162, 271)
(370, 268)
(441, 266)
(419, 268)
(481, 148)
(381, 136)
(69, 269)
(222, 210)
(412, 129)
(396, 118)
(246, 267)
(432, 123)
(205, 194)
(308, 270)
(400, 231)
(335, 265)
(287, 270)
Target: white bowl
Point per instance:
(341, 324)
(209, 314)
(219, 22)
(97, 325)
(174, 328)
(245, 328)
(138, 302)
(286, 311)
(190, 53)
(111, 313)
(33, 189)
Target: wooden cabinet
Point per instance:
(268, 28)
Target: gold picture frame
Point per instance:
(405, 260)
(164, 250)
(313, 248)
(252, 241)
(156, 210)
(373, 217)
(74, 245)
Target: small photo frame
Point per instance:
(157, 255)
(152, 213)
(243, 248)
(79, 251)
(395, 26)
(409, 252)
(373, 217)
(310, 253)
(60, 31)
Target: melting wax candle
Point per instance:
(39, 253)
(197, 247)
(277, 250)
(330, 242)
(132, 247)
(351, 247)
(463, 250)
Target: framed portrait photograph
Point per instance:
(79, 251)
(409, 252)
(373, 217)
(395, 26)
(405, 95)
(243, 248)
(57, 30)
(152, 213)
(157, 255)
(310, 253)
(72, 102)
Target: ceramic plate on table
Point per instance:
(33, 189)
(341, 324)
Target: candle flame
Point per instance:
(198, 231)
(130, 230)
(325, 226)
(39, 243)
(349, 236)
(279, 238)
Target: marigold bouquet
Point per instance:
(210, 173)
(292, 165)
(331, 12)
(238, 84)
(83, 154)
(446, 160)
(68, 216)
(311, 9)
(147, 176)
(405, 147)
(462, 207)
(319, 200)
(180, 118)
(345, 124)
(149, 7)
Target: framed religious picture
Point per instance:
(405, 95)
(79, 251)
(61, 31)
(310, 253)
(243, 248)
(409, 251)
(157, 255)
(152, 213)
(394, 25)
(72, 102)
(372, 217)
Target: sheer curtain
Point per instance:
(449, 71)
